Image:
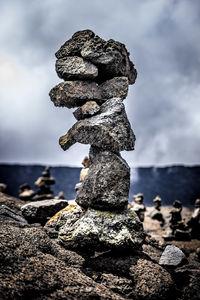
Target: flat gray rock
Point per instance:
(172, 256)
(39, 211)
(74, 67)
(106, 185)
(110, 129)
(76, 93)
(102, 230)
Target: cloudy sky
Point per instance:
(163, 38)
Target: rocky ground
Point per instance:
(34, 266)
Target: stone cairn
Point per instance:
(138, 206)
(44, 183)
(96, 76)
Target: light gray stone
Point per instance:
(102, 230)
(172, 256)
(107, 183)
(110, 129)
(74, 67)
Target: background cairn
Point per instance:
(96, 76)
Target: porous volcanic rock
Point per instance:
(111, 57)
(34, 266)
(149, 280)
(74, 67)
(39, 211)
(103, 230)
(74, 45)
(107, 183)
(110, 129)
(76, 93)
(87, 110)
(116, 87)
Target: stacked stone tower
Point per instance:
(96, 76)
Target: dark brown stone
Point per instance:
(74, 93)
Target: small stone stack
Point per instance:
(44, 184)
(96, 76)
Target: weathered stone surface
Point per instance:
(74, 45)
(89, 109)
(67, 214)
(110, 129)
(172, 256)
(33, 266)
(117, 284)
(115, 87)
(74, 67)
(107, 183)
(149, 280)
(111, 57)
(39, 211)
(74, 93)
(103, 230)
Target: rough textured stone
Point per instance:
(7, 211)
(111, 57)
(149, 280)
(74, 67)
(89, 109)
(39, 211)
(103, 230)
(117, 284)
(70, 213)
(34, 267)
(74, 93)
(110, 129)
(107, 183)
(172, 256)
(74, 45)
(115, 87)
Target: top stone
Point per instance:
(109, 57)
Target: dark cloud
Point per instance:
(163, 39)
